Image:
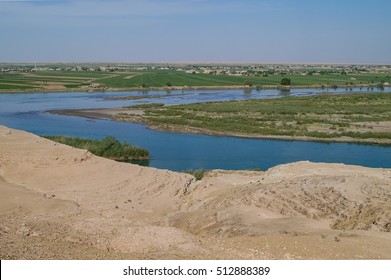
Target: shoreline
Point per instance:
(175, 88)
(112, 114)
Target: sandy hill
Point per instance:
(64, 203)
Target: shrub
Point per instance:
(197, 173)
(248, 83)
(285, 82)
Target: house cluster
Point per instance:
(281, 69)
(34, 68)
(212, 69)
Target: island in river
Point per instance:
(353, 117)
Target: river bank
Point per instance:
(59, 202)
(186, 88)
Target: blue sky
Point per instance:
(310, 31)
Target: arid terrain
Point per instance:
(58, 202)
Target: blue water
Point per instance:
(180, 151)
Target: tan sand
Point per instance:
(58, 202)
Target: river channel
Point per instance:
(27, 111)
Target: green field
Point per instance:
(120, 80)
(48, 80)
(359, 116)
(181, 79)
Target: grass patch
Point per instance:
(146, 106)
(72, 86)
(197, 173)
(325, 116)
(16, 86)
(108, 147)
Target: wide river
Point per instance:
(182, 151)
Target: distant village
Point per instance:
(212, 69)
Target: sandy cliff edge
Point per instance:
(65, 203)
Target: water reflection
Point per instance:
(285, 92)
(247, 92)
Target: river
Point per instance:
(173, 151)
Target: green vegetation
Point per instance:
(197, 173)
(108, 147)
(285, 82)
(169, 78)
(156, 78)
(248, 83)
(49, 80)
(146, 106)
(360, 116)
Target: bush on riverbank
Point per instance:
(197, 173)
(108, 147)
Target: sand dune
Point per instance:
(64, 203)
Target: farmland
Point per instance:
(189, 76)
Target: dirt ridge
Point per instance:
(58, 202)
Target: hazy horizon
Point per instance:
(184, 63)
(196, 31)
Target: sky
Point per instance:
(173, 31)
